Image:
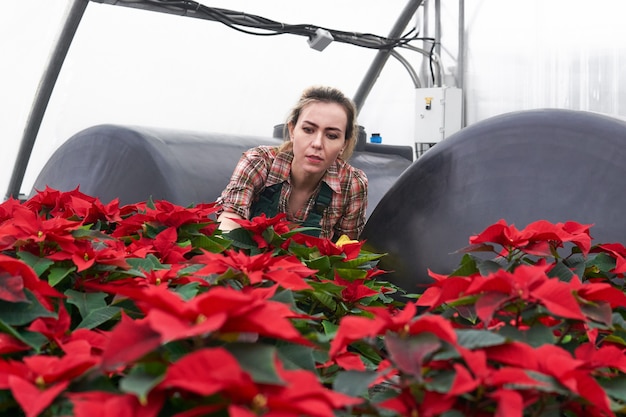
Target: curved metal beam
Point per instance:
(44, 91)
(383, 55)
(409, 68)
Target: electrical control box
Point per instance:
(439, 115)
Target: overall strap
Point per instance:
(268, 201)
(314, 219)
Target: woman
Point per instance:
(308, 176)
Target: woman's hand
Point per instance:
(225, 221)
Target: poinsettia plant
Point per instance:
(150, 310)
(537, 329)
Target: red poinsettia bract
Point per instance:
(74, 204)
(537, 238)
(287, 271)
(326, 247)
(220, 311)
(572, 372)
(258, 225)
(16, 276)
(300, 393)
(353, 328)
(528, 284)
(137, 217)
(354, 290)
(37, 380)
(107, 404)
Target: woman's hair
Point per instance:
(325, 95)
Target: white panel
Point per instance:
(439, 113)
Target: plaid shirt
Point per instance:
(265, 166)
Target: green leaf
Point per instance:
(561, 271)
(328, 287)
(99, 316)
(86, 232)
(409, 353)
(321, 264)
(214, 244)
(577, 264)
(612, 338)
(192, 229)
(326, 300)
(139, 383)
(285, 297)
(303, 230)
(20, 314)
(86, 302)
(467, 267)
(536, 336)
(466, 311)
(39, 265)
(619, 321)
(330, 330)
(241, 238)
(601, 263)
(453, 413)
(381, 393)
(149, 263)
(176, 350)
(488, 267)
(477, 339)
(362, 259)
(303, 252)
(58, 273)
(600, 312)
(190, 270)
(258, 360)
(34, 340)
(441, 381)
(547, 383)
(188, 291)
(615, 387)
(132, 272)
(477, 247)
(351, 274)
(296, 356)
(354, 383)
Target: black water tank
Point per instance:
(551, 164)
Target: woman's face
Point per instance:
(318, 137)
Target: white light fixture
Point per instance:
(321, 39)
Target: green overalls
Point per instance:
(269, 199)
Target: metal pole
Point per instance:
(409, 68)
(439, 82)
(383, 55)
(44, 91)
(426, 44)
(460, 75)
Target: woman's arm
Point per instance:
(225, 221)
(352, 222)
(249, 175)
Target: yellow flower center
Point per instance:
(259, 402)
(343, 240)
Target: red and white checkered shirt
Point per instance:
(265, 166)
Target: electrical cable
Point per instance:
(260, 26)
(243, 22)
